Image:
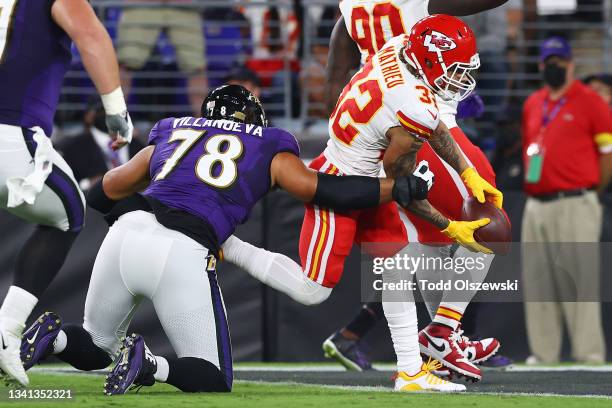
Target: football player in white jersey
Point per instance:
(384, 116)
(363, 29)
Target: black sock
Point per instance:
(190, 374)
(367, 318)
(41, 257)
(81, 352)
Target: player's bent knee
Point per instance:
(107, 342)
(313, 294)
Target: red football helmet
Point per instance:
(443, 50)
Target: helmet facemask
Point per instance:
(457, 81)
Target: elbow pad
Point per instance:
(347, 192)
(408, 188)
(98, 200)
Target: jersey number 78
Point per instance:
(222, 149)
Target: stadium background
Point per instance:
(266, 325)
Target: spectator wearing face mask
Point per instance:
(567, 156)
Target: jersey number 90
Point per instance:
(223, 150)
(367, 29)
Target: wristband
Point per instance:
(114, 102)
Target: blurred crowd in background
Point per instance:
(172, 51)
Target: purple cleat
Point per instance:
(497, 362)
(134, 369)
(37, 341)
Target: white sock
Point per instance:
(60, 342)
(163, 368)
(402, 321)
(275, 270)
(400, 311)
(453, 303)
(430, 297)
(17, 307)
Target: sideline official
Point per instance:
(567, 146)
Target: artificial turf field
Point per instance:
(292, 386)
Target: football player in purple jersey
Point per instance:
(199, 179)
(36, 184)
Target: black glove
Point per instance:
(409, 188)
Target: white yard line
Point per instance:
(64, 370)
(328, 368)
(362, 388)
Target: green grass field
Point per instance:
(87, 392)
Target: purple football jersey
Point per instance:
(214, 169)
(35, 57)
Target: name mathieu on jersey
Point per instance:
(382, 95)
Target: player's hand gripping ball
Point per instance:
(480, 188)
(497, 234)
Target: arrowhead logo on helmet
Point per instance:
(436, 41)
(442, 49)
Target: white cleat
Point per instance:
(10, 360)
(424, 380)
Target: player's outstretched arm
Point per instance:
(121, 182)
(342, 58)
(78, 20)
(445, 146)
(342, 193)
(462, 7)
(400, 160)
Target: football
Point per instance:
(496, 235)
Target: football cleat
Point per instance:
(424, 380)
(477, 351)
(11, 368)
(347, 352)
(440, 343)
(135, 367)
(37, 341)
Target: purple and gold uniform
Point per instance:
(216, 170)
(35, 55)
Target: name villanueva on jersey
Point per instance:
(461, 274)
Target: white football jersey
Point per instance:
(371, 23)
(382, 95)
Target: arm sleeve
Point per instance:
(601, 123)
(346, 192)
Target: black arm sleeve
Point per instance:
(98, 200)
(462, 7)
(347, 192)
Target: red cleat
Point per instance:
(440, 342)
(477, 351)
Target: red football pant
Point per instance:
(327, 236)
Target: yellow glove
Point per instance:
(463, 233)
(479, 187)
